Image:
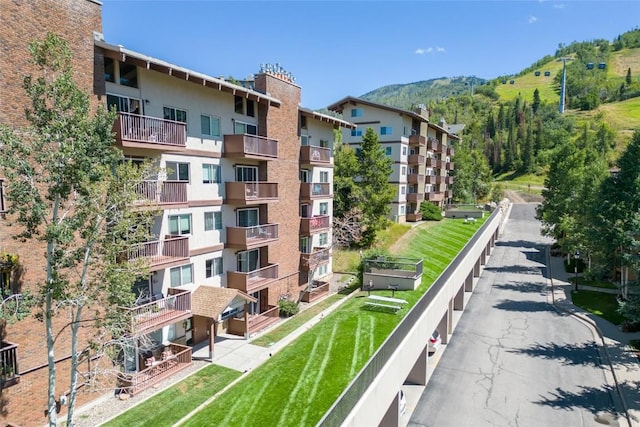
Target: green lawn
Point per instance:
(299, 384)
(600, 304)
(167, 407)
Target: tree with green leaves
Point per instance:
(68, 187)
(374, 169)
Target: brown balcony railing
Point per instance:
(310, 154)
(448, 193)
(435, 197)
(163, 192)
(310, 190)
(252, 281)
(176, 358)
(434, 145)
(250, 146)
(431, 162)
(160, 252)
(314, 224)
(448, 166)
(251, 192)
(450, 151)
(430, 179)
(311, 260)
(444, 180)
(417, 140)
(416, 159)
(318, 290)
(415, 197)
(134, 130)
(257, 322)
(165, 311)
(251, 237)
(8, 364)
(413, 217)
(415, 178)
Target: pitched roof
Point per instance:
(339, 107)
(326, 118)
(210, 301)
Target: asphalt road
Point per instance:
(513, 360)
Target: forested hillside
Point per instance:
(514, 120)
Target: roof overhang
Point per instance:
(326, 118)
(125, 55)
(340, 105)
(211, 301)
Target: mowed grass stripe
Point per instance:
(320, 377)
(303, 378)
(354, 357)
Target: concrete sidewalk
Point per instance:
(614, 343)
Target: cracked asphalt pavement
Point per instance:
(514, 360)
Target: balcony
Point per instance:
(165, 253)
(136, 131)
(314, 224)
(251, 193)
(435, 197)
(309, 261)
(315, 190)
(175, 358)
(448, 194)
(162, 312)
(415, 197)
(434, 145)
(244, 146)
(251, 237)
(417, 140)
(8, 364)
(163, 192)
(312, 155)
(413, 217)
(444, 180)
(431, 162)
(448, 166)
(252, 281)
(430, 179)
(416, 159)
(450, 151)
(318, 290)
(415, 178)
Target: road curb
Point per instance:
(570, 309)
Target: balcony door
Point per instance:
(248, 217)
(248, 260)
(246, 173)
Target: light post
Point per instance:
(576, 257)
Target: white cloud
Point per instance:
(558, 6)
(532, 19)
(421, 51)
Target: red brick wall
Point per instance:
(282, 124)
(22, 22)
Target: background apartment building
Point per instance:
(421, 152)
(244, 185)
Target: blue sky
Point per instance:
(340, 48)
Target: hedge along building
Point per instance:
(246, 182)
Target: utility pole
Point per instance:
(563, 86)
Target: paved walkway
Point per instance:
(625, 368)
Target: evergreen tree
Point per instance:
(536, 101)
(628, 78)
(373, 179)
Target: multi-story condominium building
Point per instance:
(421, 152)
(244, 187)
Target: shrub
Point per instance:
(430, 212)
(288, 308)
